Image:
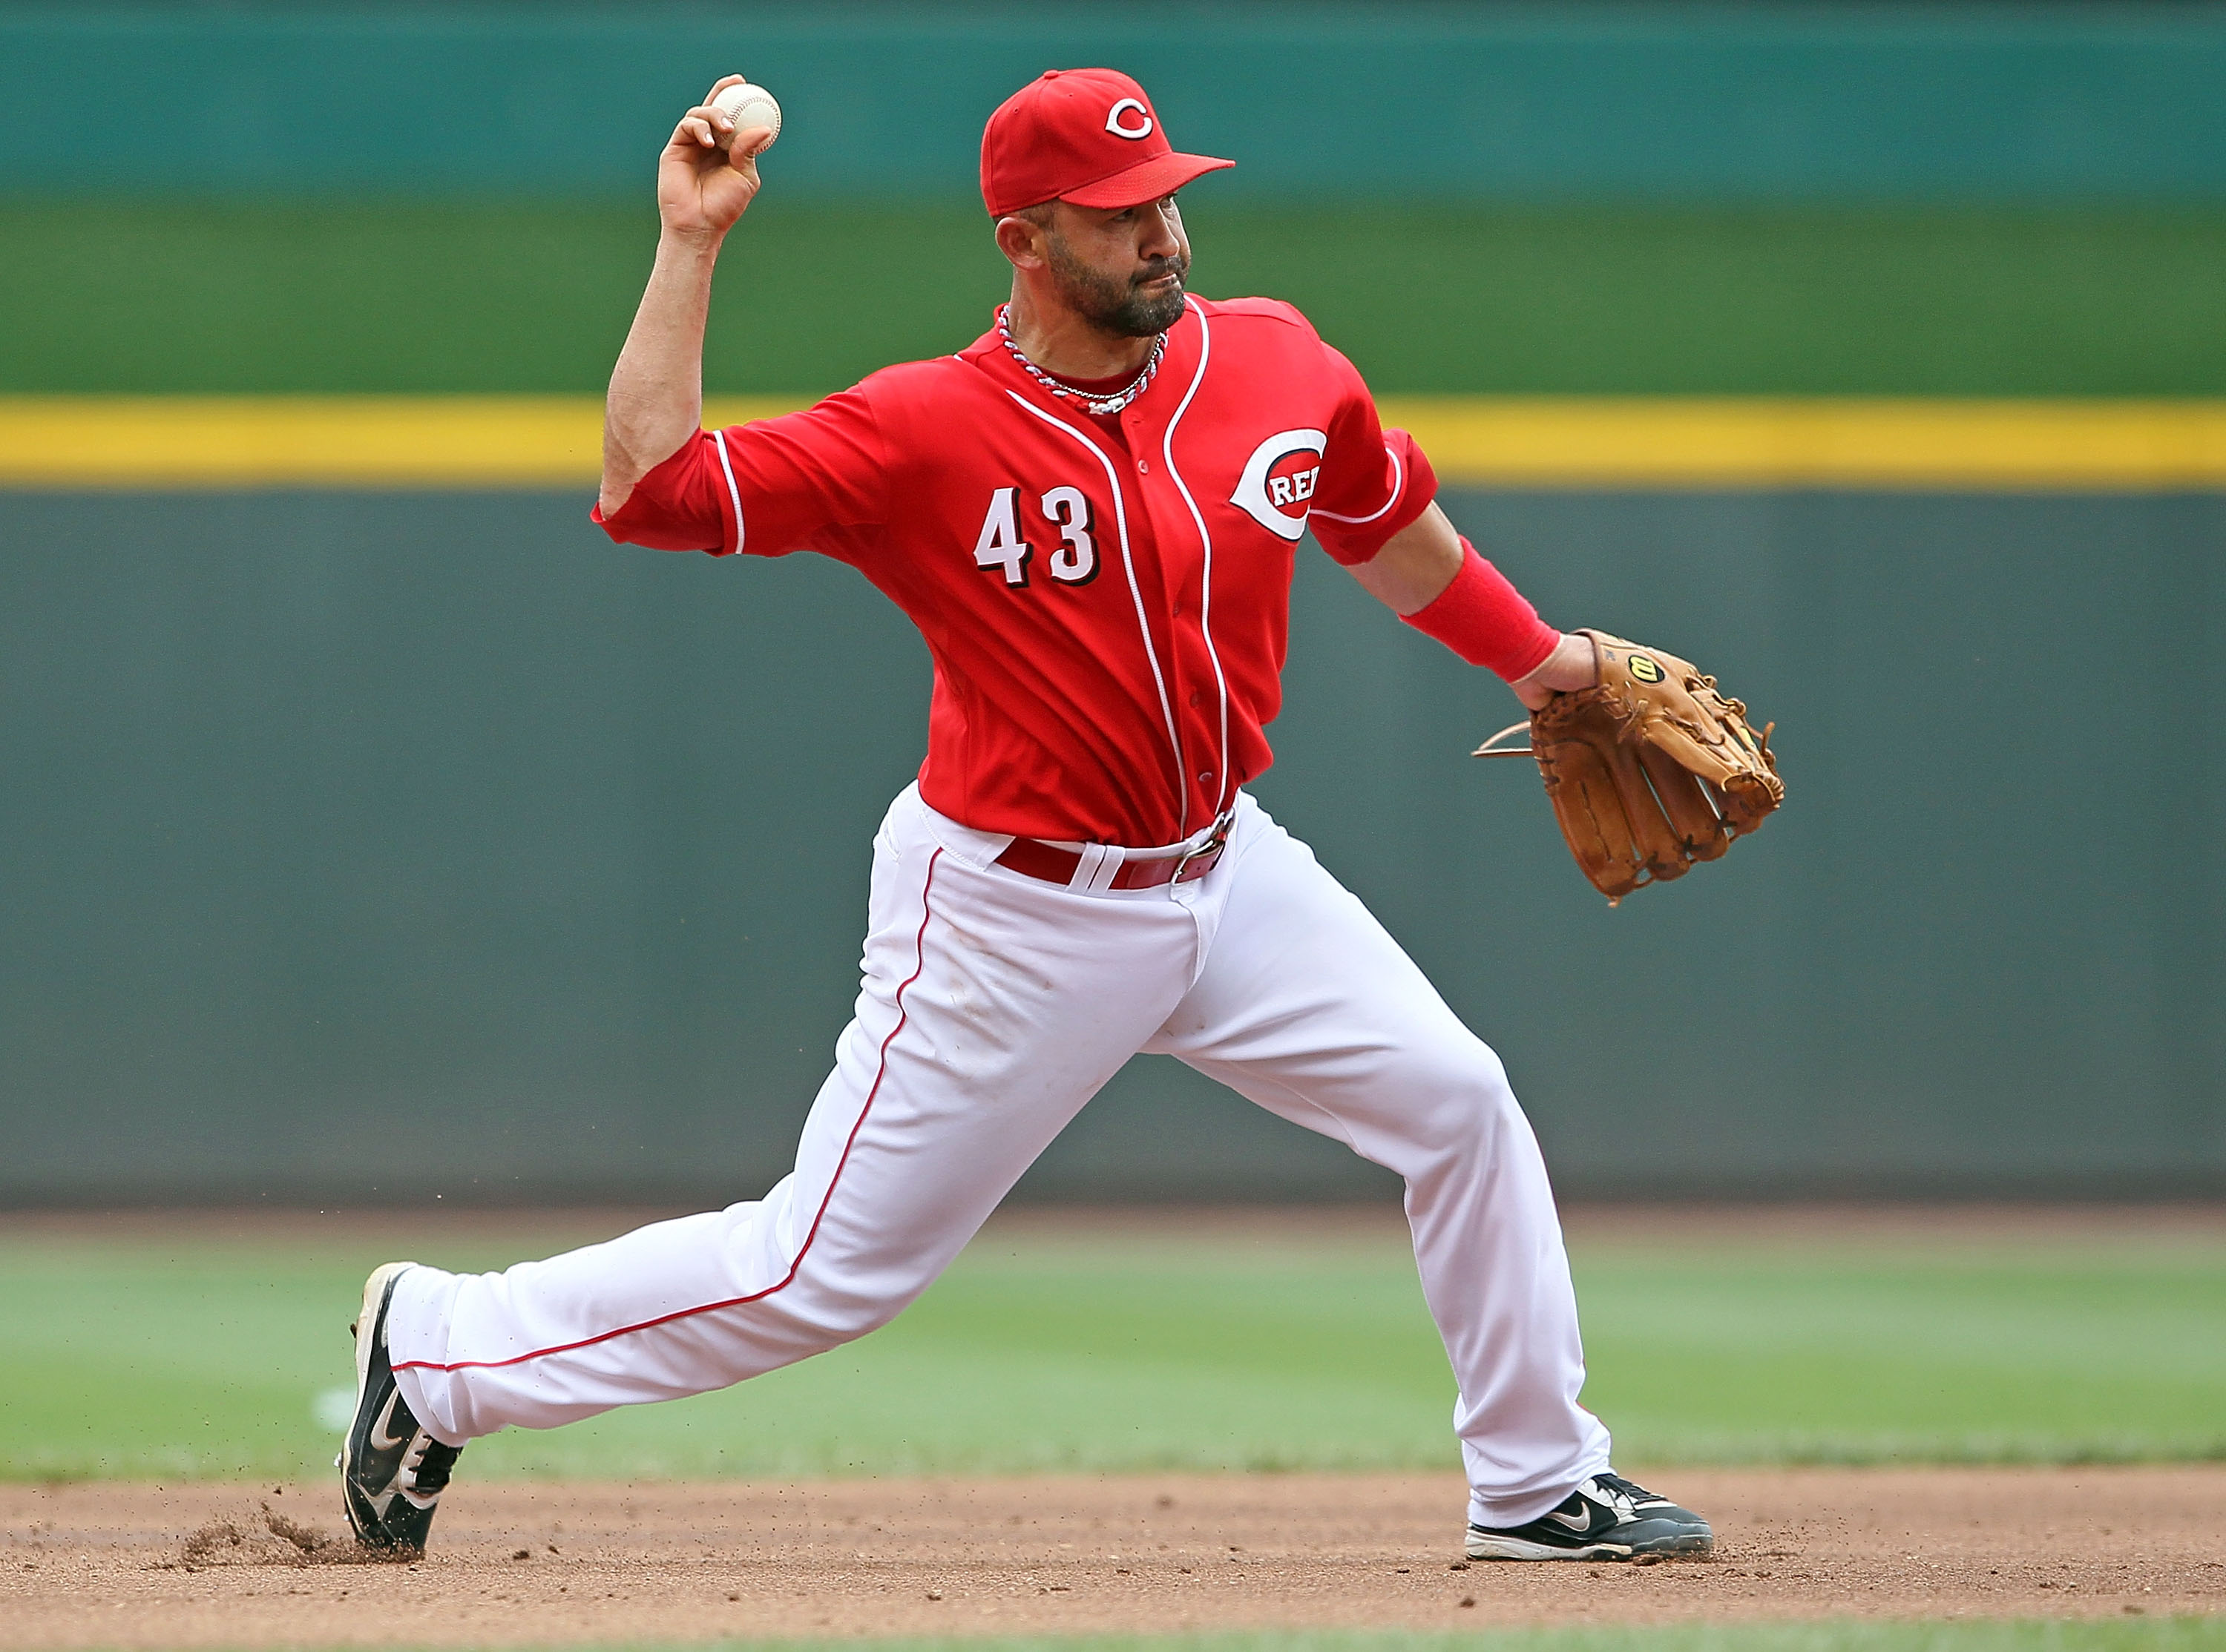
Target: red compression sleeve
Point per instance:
(1487, 621)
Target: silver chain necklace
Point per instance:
(1103, 406)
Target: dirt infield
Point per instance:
(134, 1566)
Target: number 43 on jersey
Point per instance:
(1002, 546)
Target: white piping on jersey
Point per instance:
(1398, 486)
(1206, 594)
(719, 437)
(1136, 592)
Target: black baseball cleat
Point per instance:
(391, 1470)
(1607, 1518)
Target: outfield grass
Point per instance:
(363, 295)
(1045, 1353)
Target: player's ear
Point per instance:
(1021, 241)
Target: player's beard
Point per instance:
(1117, 305)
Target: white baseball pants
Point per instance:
(993, 1007)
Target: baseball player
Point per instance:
(1092, 512)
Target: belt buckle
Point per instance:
(1212, 845)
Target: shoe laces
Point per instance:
(433, 1467)
(1627, 1494)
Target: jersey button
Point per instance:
(1196, 698)
(1144, 467)
(1206, 777)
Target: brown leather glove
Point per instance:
(1651, 769)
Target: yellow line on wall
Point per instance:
(312, 440)
(476, 441)
(1565, 442)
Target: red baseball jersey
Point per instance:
(1106, 599)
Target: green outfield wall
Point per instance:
(1441, 100)
(380, 846)
(156, 296)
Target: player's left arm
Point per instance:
(1375, 513)
(1432, 578)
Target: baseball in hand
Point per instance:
(747, 105)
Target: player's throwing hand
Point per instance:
(708, 172)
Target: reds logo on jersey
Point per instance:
(1278, 480)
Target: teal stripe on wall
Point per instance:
(2009, 103)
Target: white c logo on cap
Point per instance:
(1113, 119)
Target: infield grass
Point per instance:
(1131, 1349)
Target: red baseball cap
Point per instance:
(1087, 136)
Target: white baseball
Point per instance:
(748, 105)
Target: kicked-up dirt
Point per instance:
(251, 1566)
